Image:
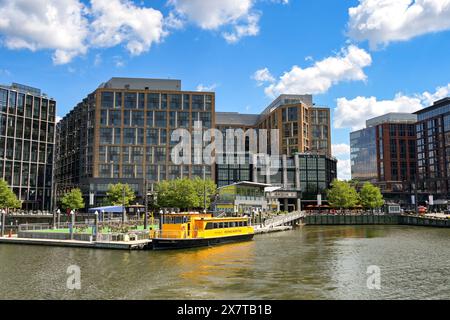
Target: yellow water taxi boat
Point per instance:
(182, 230)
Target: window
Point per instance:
(175, 101)
(130, 101)
(118, 100)
(107, 99)
(152, 136)
(115, 118)
(197, 102)
(137, 118)
(186, 101)
(153, 101)
(129, 136)
(3, 100)
(106, 135)
(160, 119)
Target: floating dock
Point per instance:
(117, 245)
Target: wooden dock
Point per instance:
(116, 245)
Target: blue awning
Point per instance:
(110, 209)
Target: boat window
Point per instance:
(221, 225)
(244, 224)
(209, 226)
(232, 224)
(216, 225)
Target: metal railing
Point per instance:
(280, 220)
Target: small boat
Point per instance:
(183, 230)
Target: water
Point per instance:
(307, 263)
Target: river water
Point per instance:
(311, 262)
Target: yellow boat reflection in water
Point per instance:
(184, 230)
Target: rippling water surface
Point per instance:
(306, 263)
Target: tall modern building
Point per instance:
(27, 138)
(305, 165)
(433, 150)
(384, 152)
(122, 133)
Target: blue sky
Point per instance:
(360, 58)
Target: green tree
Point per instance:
(120, 194)
(73, 200)
(178, 193)
(371, 197)
(342, 195)
(8, 199)
(185, 193)
(201, 186)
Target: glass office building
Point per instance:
(27, 138)
(433, 150)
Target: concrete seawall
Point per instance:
(376, 220)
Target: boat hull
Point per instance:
(172, 244)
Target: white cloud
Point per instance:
(262, 76)
(341, 149)
(214, 14)
(354, 113)
(347, 65)
(344, 169)
(120, 21)
(118, 61)
(249, 28)
(203, 88)
(384, 21)
(70, 28)
(58, 25)
(58, 119)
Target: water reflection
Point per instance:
(308, 263)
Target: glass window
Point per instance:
(36, 108)
(141, 101)
(3, 100)
(175, 101)
(153, 101)
(29, 106)
(198, 102)
(117, 136)
(129, 136)
(186, 102)
(164, 101)
(137, 118)
(107, 99)
(115, 118)
(118, 99)
(149, 118)
(20, 104)
(130, 100)
(103, 117)
(152, 136)
(106, 135)
(160, 119)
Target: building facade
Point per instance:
(305, 164)
(124, 135)
(27, 142)
(433, 150)
(384, 153)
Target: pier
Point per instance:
(117, 245)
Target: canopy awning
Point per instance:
(109, 209)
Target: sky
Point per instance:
(361, 58)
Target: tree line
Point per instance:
(343, 195)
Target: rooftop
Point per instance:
(24, 89)
(235, 118)
(142, 84)
(393, 117)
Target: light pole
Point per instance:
(204, 189)
(146, 206)
(123, 204)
